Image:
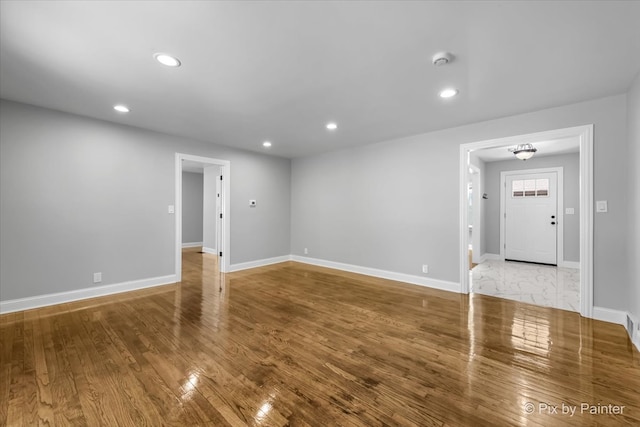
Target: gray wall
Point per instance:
(394, 205)
(571, 165)
(192, 207)
(210, 200)
(81, 196)
(633, 124)
(386, 206)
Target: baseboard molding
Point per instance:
(213, 251)
(619, 317)
(97, 291)
(497, 257)
(258, 263)
(634, 334)
(191, 244)
(610, 315)
(384, 274)
(488, 256)
(570, 264)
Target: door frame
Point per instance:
(225, 172)
(476, 234)
(218, 211)
(559, 211)
(585, 136)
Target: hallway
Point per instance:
(542, 285)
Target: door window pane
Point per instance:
(530, 187)
(542, 187)
(517, 188)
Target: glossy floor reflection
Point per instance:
(292, 344)
(543, 285)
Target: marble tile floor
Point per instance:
(542, 285)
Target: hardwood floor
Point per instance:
(292, 344)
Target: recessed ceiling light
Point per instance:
(121, 108)
(167, 60)
(266, 144)
(332, 126)
(448, 93)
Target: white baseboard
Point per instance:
(384, 274)
(570, 264)
(191, 244)
(610, 315)
(498, 257)
(96, 291)
(619, 317)
(258, 263)
(213, 251)
(634, 334)
(487, 256)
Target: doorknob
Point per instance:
(553, 216)
(553, 223)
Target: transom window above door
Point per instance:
(530, 188)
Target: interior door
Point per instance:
(531, 205)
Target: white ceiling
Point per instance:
(196, 167)
(545, 148)
(254, 71)
(193, 167)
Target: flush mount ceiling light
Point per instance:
(448, 93)
(266, 144)
(121, 108)
(523, 151)
(168, 60)
(332, 126)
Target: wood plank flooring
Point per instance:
(297, 345)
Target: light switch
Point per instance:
(601, 206)
(171, 209)
(569, 211)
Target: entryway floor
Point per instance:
(543, 285)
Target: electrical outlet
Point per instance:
(306, 251)
(425, 268)
(97, 277)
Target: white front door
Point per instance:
(531, 209)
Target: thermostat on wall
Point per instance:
(601, 206)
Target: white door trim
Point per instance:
(559, 213)
(585, 136)
(476, 234)
(225, 171)
(218, 211)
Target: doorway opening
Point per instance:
(549, 143)
(215, 217)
